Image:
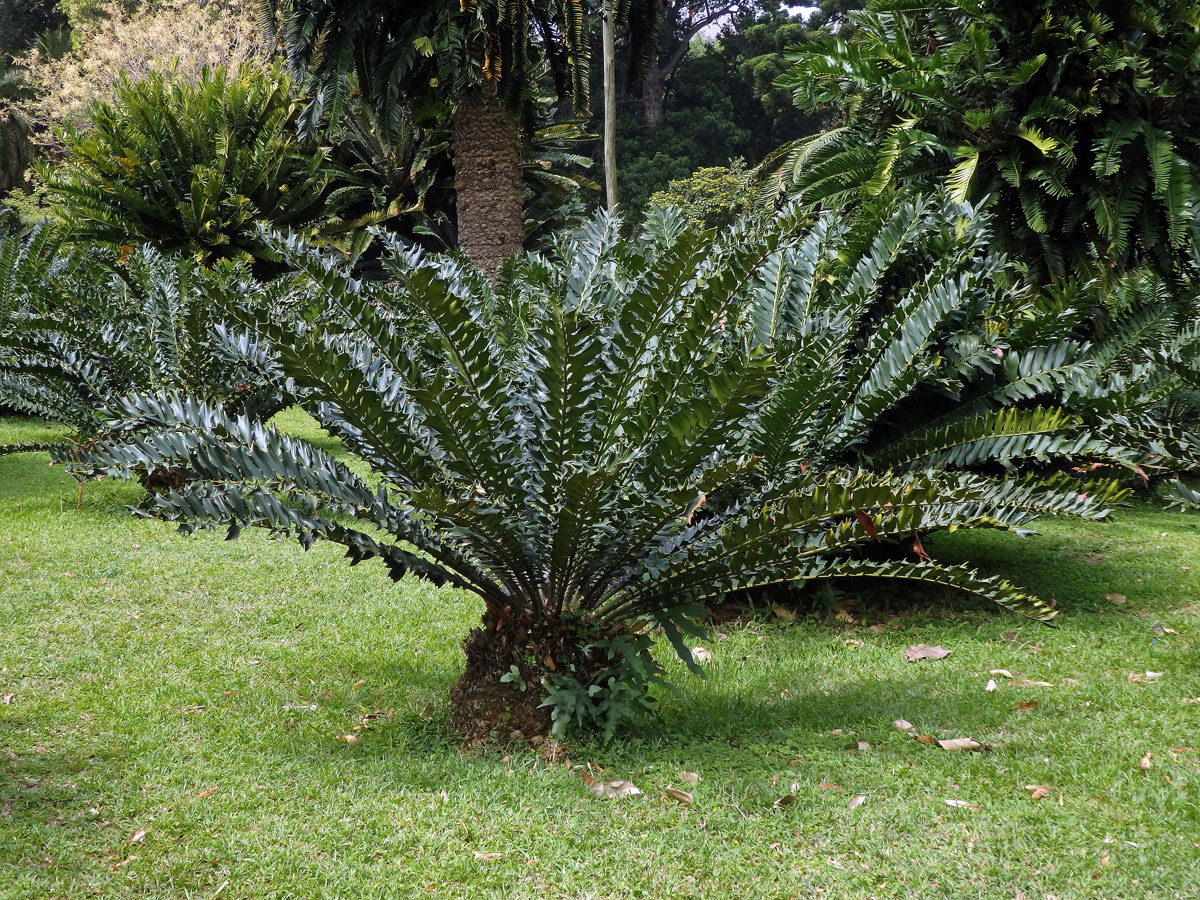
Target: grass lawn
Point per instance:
(176, 706)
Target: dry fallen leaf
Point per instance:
(962, 804)
(1143, 676)
(1038, 791)
(1104, 860)
(863, 745)
(1146, 763)
(1027, 705)
(137, 836)
(857, 801)
(924, 651)
(679, 796)
(611, 790)
(904, 724)
(854, 642)
(1115, 598)
(782, 612)
(702, 654)
(826, 786)
(925, 738)
(8, 699)
(209, 792)
(961, 744)
(1160, 628)
(690, 777)
(990, 686)
(1025, 682)
(1004, 672)
(485, 857)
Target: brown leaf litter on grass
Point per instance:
(952, 744)
(683, 798)
(611, 790)
(924, 651)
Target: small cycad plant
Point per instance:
(578, 443)
(78, 328)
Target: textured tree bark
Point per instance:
(484, 707)
(653, 85)
(487, 180)
(14, 154)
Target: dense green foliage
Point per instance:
(710, 197)
(433, 52)
(1077, 119)
(718, 105)
(193, 167)
(79, 329)
(910, 347)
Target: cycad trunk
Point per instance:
(483, 706)
(487, 179)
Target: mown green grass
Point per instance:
(194, 689)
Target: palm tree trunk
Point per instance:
(487, 180)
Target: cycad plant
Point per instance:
(582, 444)
(193, 167)
(1140, 381)
(77, 329)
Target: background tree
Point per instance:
(115, 41)
(22, 22)
(1077, 118)
(718, 104)
(480, 60)
(681, 21)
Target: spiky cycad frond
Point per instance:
(79, 329)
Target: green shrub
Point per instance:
(713, 197)
(593, 447)
(193, 166)
(1075, 118)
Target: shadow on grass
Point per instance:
(24, 476)
(45, 789)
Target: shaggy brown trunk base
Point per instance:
(163, 481)
(488, 183)
(483, 707)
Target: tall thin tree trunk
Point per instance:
(610, 108)
(487, 180)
